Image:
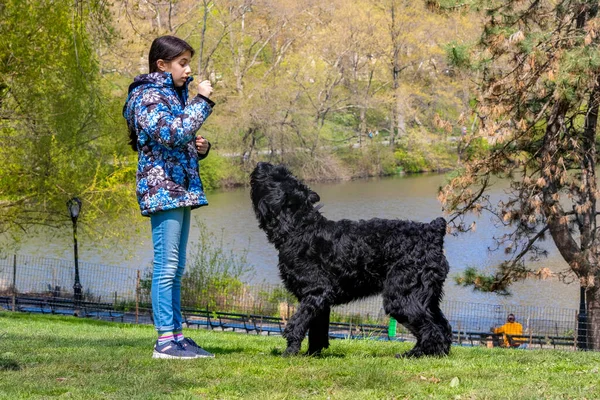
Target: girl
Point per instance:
(162, 129)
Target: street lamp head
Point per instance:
(74, 206)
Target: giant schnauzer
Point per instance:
(326, 263)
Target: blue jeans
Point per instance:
(170, 231)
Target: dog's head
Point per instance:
(277, 196)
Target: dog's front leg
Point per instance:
(318, 332)
(297, 327)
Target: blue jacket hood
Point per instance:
(156, 79)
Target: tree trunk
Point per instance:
(401, 127)
(587, 219)
(395, 122)
(203, 68)
(362, 131)
(593, 318)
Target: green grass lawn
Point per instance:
(67, 357)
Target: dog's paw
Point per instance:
(314, 353)
(290, 352)
(414, 353)
(417, 353)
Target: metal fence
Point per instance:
(127, 289)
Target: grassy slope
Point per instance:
(46, 356)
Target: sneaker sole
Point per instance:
(156, 354)
(205, 356)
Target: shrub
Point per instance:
(477, 148)
(214, 170)
(411, 161)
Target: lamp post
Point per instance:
(74, 206)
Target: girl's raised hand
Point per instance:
(205, 88)
(201, 145)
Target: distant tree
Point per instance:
(57, 139)
(539, 64)
(300, 74)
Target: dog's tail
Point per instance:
(439, 225)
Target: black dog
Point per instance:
(326, 263)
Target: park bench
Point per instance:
(376, 332)
(476, 338)
(530, 340)
(197, 318)
(235, 321)
(64, 306)
(44, 306)
(106, 314)
(33, 305)
(562, 341)
(462, 339)
(268, 325)
(218, 320)
(6, 303)
(97, 310)
(343, 330)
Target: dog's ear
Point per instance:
(296, 197)
(280, 173)
(313, 197)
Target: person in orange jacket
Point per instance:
(511, 327)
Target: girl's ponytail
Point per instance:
(133, 137)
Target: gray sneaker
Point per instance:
(190, 345)
(172, 349)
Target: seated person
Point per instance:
(508, 329)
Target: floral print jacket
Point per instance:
(168, 169)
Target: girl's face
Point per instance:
(178, 67)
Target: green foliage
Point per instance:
(277, 92)
(471, 277)
(458, 55)
(271, 300)
(345, 119)
(279, 295)
(538, 102)
(443, 156)
(372, 159)
(214, 169)
(411, 160)
(63, 86)
(56, 140)
(477, 148)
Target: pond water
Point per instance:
(230, 217)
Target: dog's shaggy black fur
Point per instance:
(326, 263)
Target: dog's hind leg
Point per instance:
(318, 332)
(418, 309)
(311, 306)
(433, 332)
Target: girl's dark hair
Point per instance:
(166, 48)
